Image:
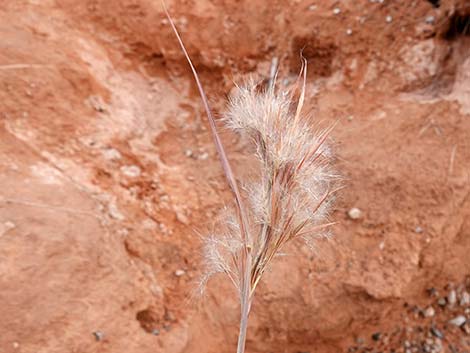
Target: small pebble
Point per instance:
(458, 321)
(111, 154)
(442, 302)
(465, 299)
(466, 328)
(155, 332)
(349, 31)
(98, 335)
(16, 345)
(114, 212)
(430, 20)
(188, 153)
(5, 227)
(179, 273)
(382, 245)
(436, 332)
(336, 10)
(354, 213)
(312, 7)
(429, 312)
(452, 297)
(418, 230)
(389, 19)
(132, 171)
(204, 156)
(182, 218)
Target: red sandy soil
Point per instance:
(109, 174)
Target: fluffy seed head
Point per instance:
(295, 189)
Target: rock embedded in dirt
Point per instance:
(131, 171)
(182, 218)
(452, 298)
(336, 10)
(114, 212)
(429, 312)
(458, 321)
(111, 154)
(204, 156)
(5, 227)
(442, 302)
(430, 19)
(98, 335)
(355, 213)
(179, 273)
(376, 336)
(437, 333)
(465, 298)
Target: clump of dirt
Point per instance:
(109, 175)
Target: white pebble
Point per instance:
(5, 227)
(204, 156)
(111, 154)
(181, 217)
(465, 299)
(442, 302)
(349, 31)
(179, 273)
(429, 312)
(430, 19)
(132, 171)
(354, 213)
(336, 10)
(452, 297)
(114, 212)
(458, 321)
(389, 19)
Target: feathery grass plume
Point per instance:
(290, 200)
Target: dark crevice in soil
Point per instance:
(319, 55)
(435, 3)
(458, 25)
